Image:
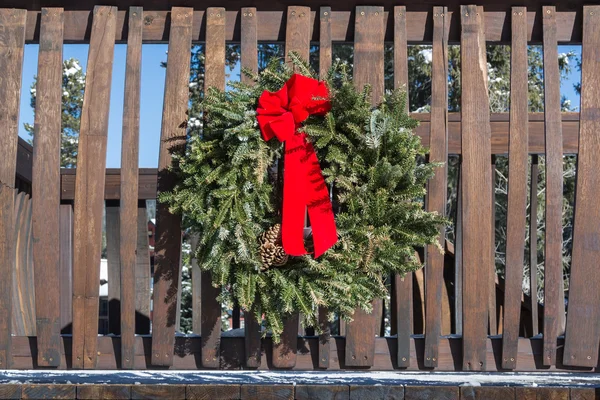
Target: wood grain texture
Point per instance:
(158, 392)
(368, 70)
(143, 280)
(66, 267)
(46, 186)
(458, 259)
(487, 393)
(517, 190)
(401, 307)
(89, 199)
(542, 393)
(324, 337)
(584, 393)
(10, 391)
(554, 188)
(213, 392)
(23, 285)
(101, 392)
(284, 352)
(492, 316)
(40, 392)
(324, 392)
(476, 189)
(249, 42)
(128, 216)
(431, 392)
(325, 50)
(168, 226)
(12, 37)
(267, 392)
(583, 320)
(376, 392)
(437, 186)
(113, 261)
(533, 260)
(252, 339)
(297, 32)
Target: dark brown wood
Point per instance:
(66, 267)
(271, 22)
(46, 186)
(252, 339)
(249, 42)
(324, 392)
(325, 51)
(517, 190)
(39, 392)
(24, 161)
(168, 226)
(324, 338)
(372, 392)
(437, 186)
(196, 285)
(368, 70)
(128, 216)
(297, 31)
(284, 352)
(487, 392)
(585, 393)
(542, 393)
(89, 202)
(113, 261)
(476, 189)
(554, 188)
(492, 316)
(11, 63)
(142, 272)
(533, 260)
(158, 392)
(101, 392)
(583, 321)
(401, 308)
(431, 392)
(112, 191)
(10, 391)
(213, 392)
(267, 392)
(23, 285)
(215, 78)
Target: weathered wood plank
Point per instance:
(554, 188)
(89, 201)
(66, 268)
(252, 339)
(12, 40)
(542, 393)
(158, 392)
(437, 186)
(215, 78)
(487, 393)
(533, 260)
(476, 188)
(142, 272)
(458, 259)
(583, 320)
(372, 392)
(128, 216)
(368, 69)
(401, 308)
(46, 186)
(249, 42)
(10, 391)
(297, 31)
(23, 285)
(213, 392)
(324, 338)
(113, 261)
(431, 392)
(517, 190)
(325, 51)
(324, 392)
(101, 392)
(39, 392)
(168, 226)
(267, 392)
(585, 393)
(284, 352)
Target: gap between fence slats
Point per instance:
(476, 188)
(533, 260)
(492, 310)
(168, 226)
(554, 188)
(368, 69)
(583, 329)
(437, 186)
(113, 262)
(215, 78)
(128, 216)
(66, 268)
(517, 190)
(11, 65)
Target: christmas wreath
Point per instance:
(245, 196)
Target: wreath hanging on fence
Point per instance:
(342, 157)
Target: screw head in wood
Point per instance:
(520, 12)
(302, 15)
(362, 13)
(98, 353)
(212, 14)
(218, 15)
(591, 13)
(51, 359)
(325, 13)
(249, 14)
(366, 358)
(293, 12)
(433, 358)
(376, 13)
(354, 357)
(323, 359)
(442, 14)
(435, 15)
(466, 14)
(403, 358)
(481, 363)
(548, 11)
(245, 14)
(134, 14)
(589, 357)
(428, 358)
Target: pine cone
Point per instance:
(271, 249)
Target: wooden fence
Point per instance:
(61, 254)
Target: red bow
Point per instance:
(280, 114)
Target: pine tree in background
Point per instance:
(73, 86)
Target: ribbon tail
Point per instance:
(294, 197)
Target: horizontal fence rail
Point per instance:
(458, 313)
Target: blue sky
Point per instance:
(153, 78)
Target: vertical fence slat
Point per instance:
(583, 320)
(554, 187)
(249, 41)
(128, 217)
(215, 77)
(458, 260)
(12, 42)
(533, 260)
(23, 289)
(401, 307)
(46, 187)
(142, 272)
(437, 186)
(89, 187)
(517, 188)
(168, 226)
(113, 261)
(368, 69)
(477, 188)
(492, 316)
(17, 324)
(66, 268)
